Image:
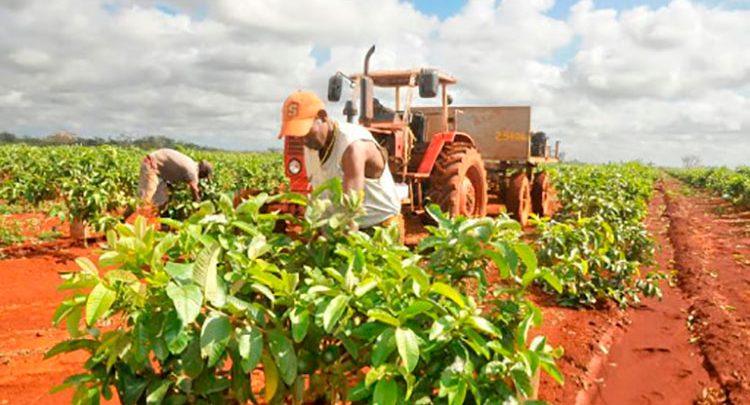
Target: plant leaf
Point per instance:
(333, 312)
(250, 347)
(414, 309)
(365, 287)
(527, 255)
(384, 346)
(187, 300)
(87, 266)
(449, 292)
(156, 391)
(383, 316)
(300, 319)
(214, 338)
(408, 347)
(182, 272)
(457, 396)
(98, 303)
(271, 374)
(485, 326)
(551, 278)
(205, 274)
(283, 352)
(191, 358)
(386, 393)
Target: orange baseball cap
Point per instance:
(299, 111)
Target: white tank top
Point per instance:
(381, 198)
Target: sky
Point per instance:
(652, 80)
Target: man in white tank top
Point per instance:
(346, 151)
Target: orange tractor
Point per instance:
(462, 158)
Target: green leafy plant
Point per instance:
(181, 205)
(732, 185)
(331, 315)
(597, 242)
(98, 184)
(590, 263)
(93, 186)
(49, 235)
(10, 232)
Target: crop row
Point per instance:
(597, 242)
(733, 185)
(96, 183)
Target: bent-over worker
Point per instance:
(347, 151)
(165, 166)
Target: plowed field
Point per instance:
(693, 346)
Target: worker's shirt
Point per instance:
(381, 198)
(174, 167)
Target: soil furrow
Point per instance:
(711, 280)
(653, 362)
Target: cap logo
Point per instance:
(292, 110)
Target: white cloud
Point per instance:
(668, 76)
(681, 50)
(495, 50)
(12, 99)
(341, 22)
(641, 83)
(31, 59)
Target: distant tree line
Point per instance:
(68, 138)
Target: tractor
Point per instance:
(461, 158)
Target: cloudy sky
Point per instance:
(613, 80)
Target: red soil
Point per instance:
(586, 335)
(653, 361)
(27, 302)
(32, 224)
(712, 248)
(637, 356)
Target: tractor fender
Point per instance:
(436, 146)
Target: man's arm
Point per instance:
(353, 163)
(196, 191)
(362, 159)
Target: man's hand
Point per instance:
(196, 191)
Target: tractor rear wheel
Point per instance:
(542, 195)
(458, 182)
(518, 198)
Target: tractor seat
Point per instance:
(382, 113)
(418, 125)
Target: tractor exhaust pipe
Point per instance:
(367, 59)
(365, 92)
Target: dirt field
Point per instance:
(693, 346)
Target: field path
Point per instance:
(694, 345)
(712, 253)
(653, 361)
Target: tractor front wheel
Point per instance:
(458, 182)
(518, 198)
